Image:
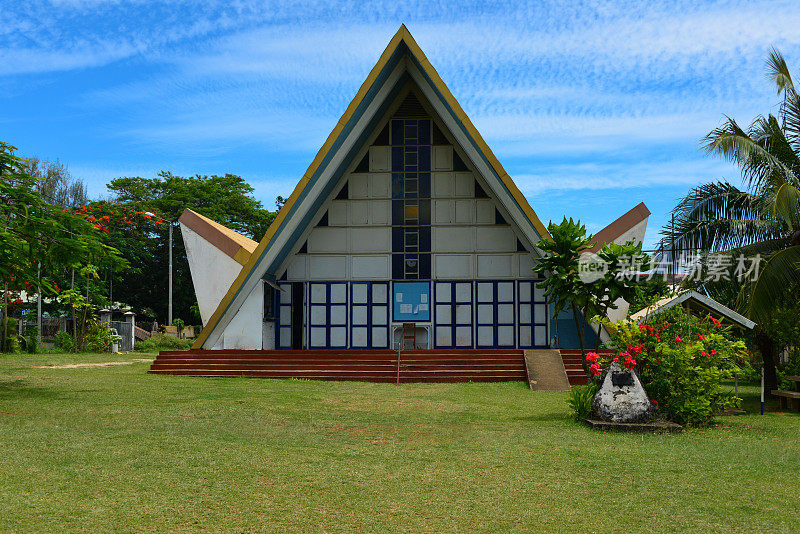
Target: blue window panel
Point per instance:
(397, 185)
(453, 315)
(425, 185)
(496, 315)
(424, 129)
(425, 213)
(398, 214)
(424, 266)
(369, 315)
(283, 324)
(327, 307)
(532, 315)
(397, 132)
(397, 266)
(424, 158)
(397, 158)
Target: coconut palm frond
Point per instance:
(786, 205)
(768, 133)
(752, 155)
(790, 113)
(766, 247)
(778, 71)
(779, 276)
(719, 216)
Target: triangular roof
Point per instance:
(613, 231)
(232, 243)
(402, 61)
(700, 301)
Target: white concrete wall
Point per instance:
(465, 241)
(212, 270)
(246, 330)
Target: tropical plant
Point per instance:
(681, 361)
(580, 400)
(159, 342)
(586, 296)
(38, 239)
(761, 220)
(559, 267)
(226, 199)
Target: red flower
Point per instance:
(635, 349)
(654, 402)
(91, 219)
(704, 353)
(595, 369)
(702, 337)
(677, 339)
(591, 357)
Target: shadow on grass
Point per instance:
(16, 389)
(547, 417)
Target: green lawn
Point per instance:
(116, 449)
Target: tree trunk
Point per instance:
(5, 318)
(581, 340)
(769, 354)
(603, 313)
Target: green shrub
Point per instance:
(159, 342)
(580, 400)
(98, 337)
(12, 339)
(31, 340)
(682, 362)
(64, 341)
(790, 368)
(748, 374)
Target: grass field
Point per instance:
(115, 449)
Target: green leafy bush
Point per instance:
(31, 340)
(748, 374)
(580, 400)
(64, 342)
(98, 337)
(159, 342)
(681, 361)
(12, 339)
(790, 368)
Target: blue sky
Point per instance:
(591, 106)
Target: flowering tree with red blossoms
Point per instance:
(681, 361)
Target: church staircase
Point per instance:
(441, 365)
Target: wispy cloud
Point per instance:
(603, 96)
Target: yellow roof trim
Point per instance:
(282, 214)
(402, 35)
(484, 148)
(230, 242)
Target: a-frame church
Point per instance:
(405, 220)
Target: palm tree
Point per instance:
(760, 220)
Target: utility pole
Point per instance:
(170, 223)
(169, 313)
(39, 302)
